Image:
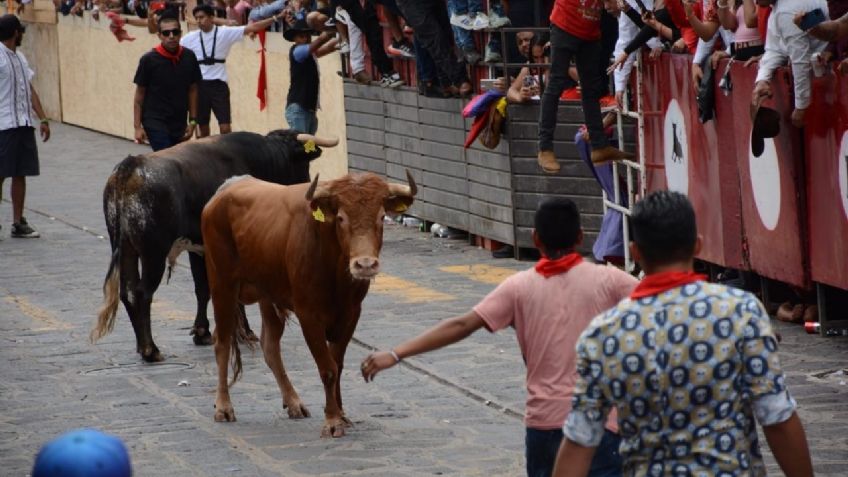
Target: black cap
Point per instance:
(9, 24)
(300, 26)
(765, 122)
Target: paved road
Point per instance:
(453, 412)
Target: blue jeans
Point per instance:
(161, 139)
(301, 119)
(463, 37)
(542, 447)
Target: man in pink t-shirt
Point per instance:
(549, 306)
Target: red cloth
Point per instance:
(548, 268)
(477, 127)
(117, 27)
(763, 14)
(262, 83)
(174, 57)
(581, 18)
(678, 16)
(660, 282)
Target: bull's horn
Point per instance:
(317, 191)
(404, 190)
(319, 141)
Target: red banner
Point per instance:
(826, 147)
(694, 158)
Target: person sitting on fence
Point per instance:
(786, 41)
(429, 20)
(575, 32)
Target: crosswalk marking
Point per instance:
(407, 291)
(37, 314)
(481, 273)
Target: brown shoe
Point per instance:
(811, 313)
(547, 161)
(362, 77)
(609, 153)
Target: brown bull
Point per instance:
(310, 249)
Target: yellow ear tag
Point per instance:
(318, 214)
(401, 207)
(309, 146)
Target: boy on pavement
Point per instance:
(166, 90)
(18, 152)
(211, 45)
(687, 365)
(549, 306)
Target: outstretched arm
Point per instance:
(256, 27)
(788, 443)
(446, 332)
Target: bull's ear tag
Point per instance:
(400, 207)
(309, 146)
(318, 214)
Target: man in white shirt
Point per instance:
(785, 40)
(211, 44)
(18, 99)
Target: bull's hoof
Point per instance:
(152, 355)
(201, 336)
(334, 427)
(225, 413)
(296, 410)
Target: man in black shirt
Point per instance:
(166, 90)
(303, 91)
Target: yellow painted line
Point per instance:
(164, 309)
(38, 314)
(481, 273)
(408, 292)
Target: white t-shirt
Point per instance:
(15, 95)
(198, 40)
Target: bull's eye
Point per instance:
(340, 219)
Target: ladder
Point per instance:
(636, 186)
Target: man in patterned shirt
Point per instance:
(687, 364)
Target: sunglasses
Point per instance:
(174, 32)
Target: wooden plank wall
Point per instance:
(490, 193)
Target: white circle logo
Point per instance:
(843, 173)
(676, 149)
(765, 182)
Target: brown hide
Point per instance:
(310, 249)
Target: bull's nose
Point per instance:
(365, 266)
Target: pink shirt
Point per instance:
(743, 34)
(548, 316)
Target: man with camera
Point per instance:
(211, 44)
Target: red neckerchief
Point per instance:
(548, 268)
(167, 54)
(660, 282)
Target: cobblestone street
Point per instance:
(456, 411)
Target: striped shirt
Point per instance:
(15, 92)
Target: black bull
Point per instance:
(152, 205)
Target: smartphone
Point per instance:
(529, 81)
(812, 18)
(157, 6)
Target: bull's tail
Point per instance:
(235, 359)
(107, 313)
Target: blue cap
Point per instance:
(83, 453)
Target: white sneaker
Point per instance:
(344, 47)
(497, 21)
(481, 22)
(462, 21)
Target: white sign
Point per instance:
(843, 173)
(765, 182)
(676, 149)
